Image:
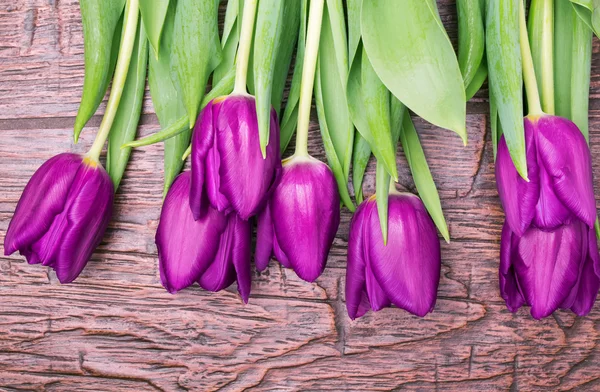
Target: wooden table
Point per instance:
(116, 328)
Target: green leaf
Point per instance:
(369, 100)
(130, 107)
(480, 77)
(167, 101)
(101, 37)
(229, 40)
(471, 38)
(360, 160)
(153, 15)
(289, 36)
(506, 75)
(494, 124)
(541, 39)
(422, 175)
(195, 50)
(289, 120)
(413, 56)
(581, 58)
(563, 46)
(267, 38)
(354, 35)
(337, 129)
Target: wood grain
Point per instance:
(117, 329)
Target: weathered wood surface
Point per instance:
(117, 329)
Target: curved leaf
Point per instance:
(471, 38)
(153, 15)
(563, 45)
(130, 107)
(422, 175)
(581, 58)
(413, 56)
(506, 75)
(480, 77)
(360, 159)
(195, 50)
(101, 37)
(229, 40)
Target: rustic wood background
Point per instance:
(116, 328)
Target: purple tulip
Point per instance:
(301, 219)
(227, 163)
(406, 271)
(213, 250)
(549, 254)
(62, 215)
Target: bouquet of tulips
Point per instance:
(368, 64)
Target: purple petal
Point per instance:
(42, 200)
(264, 239)
(357, 302)
(550, 213)
(408, 268)
(202, 140)
(547, 265)
(589, 284)
(377, 297)
(509, 286)
(80, 227)
(241, 255)
(246, 177)
(221, 272)
(566, 156)
(279, 255)
(305, 210)
(186, 247)
(518, 196)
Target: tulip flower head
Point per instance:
(301, 219)
(549, 253)
(227, 162)
(406, 271)
(62, 215)
(213, 250)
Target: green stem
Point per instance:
(393, 190)
(531, 87)
(187, 153)
(127, 41)
(548, 58)
(311, 52)
(241, 71)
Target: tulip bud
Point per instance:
(213, 250)
(227, 162)
(549, 254)
(406, 271)
(301, 219)
(62, 215)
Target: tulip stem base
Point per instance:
(311, 52)
(531, 87)
(246, 34)
(124, 58)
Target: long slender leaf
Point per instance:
(382, 193)
(267, 39)
(541, 40)
(289, 119)
(478, 80)
(422, 175)
(360, 159)
(330, 95)
(195, 50)
(471, 38)
(581, 58)
(167, 101)
(563, 45)
(413, 56)
(101, 37)
(153, 15)
(506, 75)
(368, 100)
(128, 114)
(230, 39)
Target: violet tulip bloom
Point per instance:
(406, 271)
(213, 250)
(549, 256)
(62, 215)
(301, 219)
(227, 162)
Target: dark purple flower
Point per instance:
(213, 250)
(406, 271)
(227, 163)
(549, 253)
(62, 215)
(301, 219)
